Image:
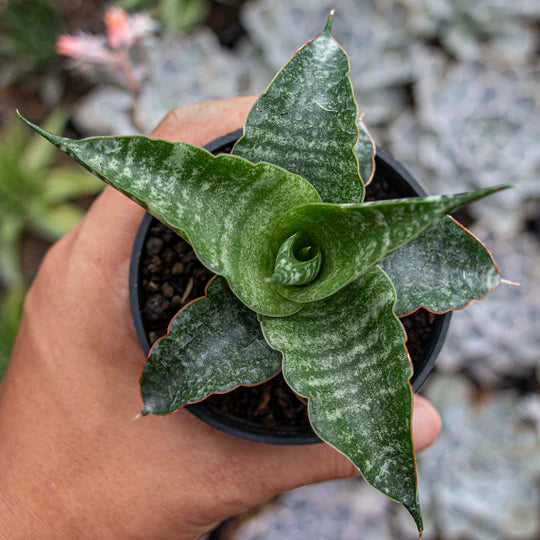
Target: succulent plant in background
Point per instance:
(11, 302)
(311, 279)
(29, 29)
(35, 194)
(173, 15)
(141, 76)
(35, 197)
(469, 29)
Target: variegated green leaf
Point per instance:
(225, 206)
(356, 380)
(305, 122)
(445, 268)
(354, 237)
(365, 152)
(214, 345)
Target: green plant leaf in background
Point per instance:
(10, 315)
(305, 121)
(33, 192)
(225, 206)
(452, 266)
(30, 29)
(173, 15)
(214, 345)
(34, 199)
(52, 223)
(67, 183)
(354, 237)
(10, 233)
(347, 355)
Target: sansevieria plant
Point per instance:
(310, 279)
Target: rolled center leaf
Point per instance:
(296, 263)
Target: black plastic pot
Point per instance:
(386, 167)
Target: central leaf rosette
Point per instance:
(298, 261)
(320, 248)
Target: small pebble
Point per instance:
(154, 266)
(178, 268)
(154, 245)
(155, 306)
(167, 290)
(151, 287)
(168, 255)
(168, 235)
(181, 247)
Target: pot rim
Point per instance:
(288, 437)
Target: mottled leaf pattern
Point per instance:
(365, 152)
(356, 380)
(225, 206)
(296, 265)
(354, 237)
(214, 345)
(305, 122)
(445, 268)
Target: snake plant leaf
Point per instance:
(365, 152)
(223, 205)
(305, 121)
(354, 237)
(214, 345)
(444, 268)
(356, 380)
(38, 154)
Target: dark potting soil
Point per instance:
(172, 276)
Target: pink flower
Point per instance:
(85, 48)
(116, 22)
(123, 31)
(67, 45)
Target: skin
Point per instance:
(74, 463)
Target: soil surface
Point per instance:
(172, 276)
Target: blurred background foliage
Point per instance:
(173, 15)
(449, 86)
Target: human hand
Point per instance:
(73, 463)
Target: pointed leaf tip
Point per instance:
(51, 137)
(328, 28)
